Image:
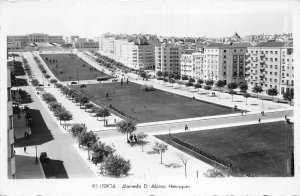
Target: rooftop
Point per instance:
(230, 45)
(271, 44)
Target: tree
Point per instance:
(159, 73)
(102, 112)
(198, 86)
(220, 84)
(87, 139)
(289, 96)
(88, 106)
(53, 81)
(48, 97)
(54, 105)
(200, 81)
(127, 127)
(207, 87)
(141, 137)
(77, 129)
(172, 81)
(184, 160)
(191, 80)
(65, 116)
(35, 82)
(84, 100)
(214, 173)
(272, 92)
(165, 74)
(100, 152)
(143, 75)
(58, 85)
(257, 89)
(231, 86)
(209, 82)
(184, 77)
(160, 148)
(47, 76)
(115, 165)
(176, 76)
(171, 75)
(77, 97)
(246, 95)
(243, 87)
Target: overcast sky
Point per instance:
(172, 18)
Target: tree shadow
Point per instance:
(173, 165)
(40, 133)
(26, 97)
(55, 169)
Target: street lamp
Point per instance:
(36, 158)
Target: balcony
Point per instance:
(262, 70)
(262, 55)
(255, 60)
(262, 62)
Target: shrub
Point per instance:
(188, 84)
(115, 165)
(54, 105)
(53, 81)
(58, 85)
(147, 88)
(100, 152)
(184, 77)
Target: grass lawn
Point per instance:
(150, 106)
(256, 149)
(66, 67)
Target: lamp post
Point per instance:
(36, 158)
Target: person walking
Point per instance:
(259, 120)
(24, 149)
(186, 127)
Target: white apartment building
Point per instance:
(137, 55)
(270, 65)
(199, 65)
(187, 66)
(167, 58)
(225, 61)
(11, 165)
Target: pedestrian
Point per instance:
(242, 112)
(115, 120)
(259, 120)
(25, 149)
(106, 95)
(15, 137)
(285, 117)
(186, 127)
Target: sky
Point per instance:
(91, 18)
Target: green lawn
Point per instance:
(150, 106)
(256, 149)
(66, 67)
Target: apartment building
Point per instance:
(84, 43)
(199, 65)
(270, 65)
(137, 54)
(167, 58)
(187, 66)
(225, 61)
(11, 166)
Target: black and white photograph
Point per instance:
(149, 97)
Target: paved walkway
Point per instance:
(60, 147)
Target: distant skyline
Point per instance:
(166, 18)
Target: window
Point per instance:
(282, 81)
(234, 50)
(271, 73)
(275, 80)
(271, 52)
(271, 80)
(267, 52)
(276, 52)
(10, 126)
(271, 59)
(224, 56)
(224, 50)
(275, 66)
(275, 73)
(276, 59)
(271, 66)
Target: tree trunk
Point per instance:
(88, 153)
(246, 101)
(185, 170)
(219, 93)
(160, 157)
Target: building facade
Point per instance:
(225, 61)
(187, 67)
(167, 58)
(270, 65)
(199, 65)
(11, 166)
(84, 43)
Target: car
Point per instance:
(73, 82)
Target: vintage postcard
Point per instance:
(149, 97)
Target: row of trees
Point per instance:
(109, 62)
(243, 87)
(84, 102)
(103, 154)
(58, 110)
